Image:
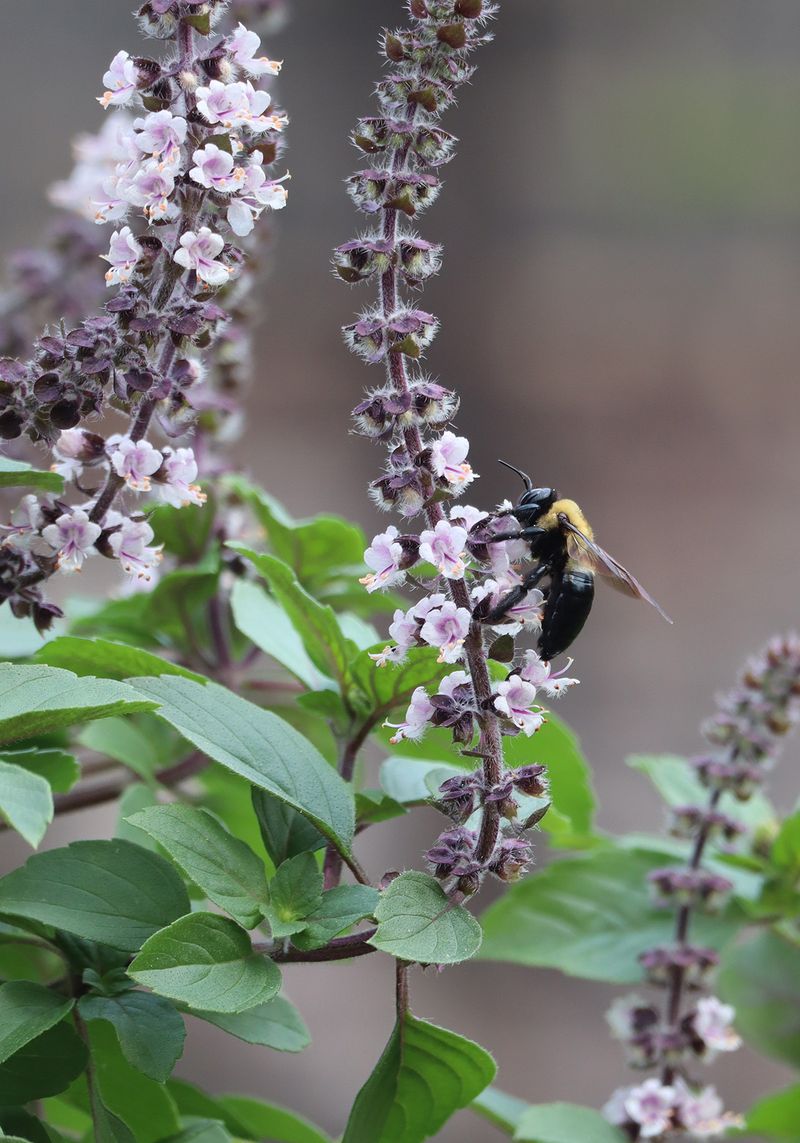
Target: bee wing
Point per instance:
(591, 556)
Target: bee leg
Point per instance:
(528, 534)
(516, 595)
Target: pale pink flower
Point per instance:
(514, 698)
(199, 252)
(255, 195)
(713, 1023)
(701, 1112)
(135, 462)
(403, 630)
(130, 545)
(176, 485)
(68, 451)
(384, 556)
(447, 628)
(614, 1110)
(150, 189)
(417, 716)
(96, 157)
(73, 536)
(160, 134)
(527, 612)
(448, 459)
(467, 515)
(236, 105)
(214, 169)
(120, 81)
(450, 682)
(650, 1105)
(243, 45)
(540, 674)
(620, 1015)
(26, 519)
(123, 254)
(444, 548)
(428, 603)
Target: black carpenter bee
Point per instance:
(564, 550)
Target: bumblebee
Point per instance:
(563, 547)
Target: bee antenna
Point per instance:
(523, 476)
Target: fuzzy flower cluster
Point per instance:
(744, 737)
(474, 602)
(181, 170)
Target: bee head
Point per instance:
(535, 501)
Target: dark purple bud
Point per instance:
(530, 780)
(694, 888)
(511, 858)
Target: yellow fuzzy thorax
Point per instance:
(573, 513)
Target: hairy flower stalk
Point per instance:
(181, 172)
(744, 739)
(427, 463)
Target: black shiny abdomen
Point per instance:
(569, 601)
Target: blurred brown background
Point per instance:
(620, 313)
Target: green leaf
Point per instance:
(185, 531)
(268, 1121)
(27, 1010)
(317, 549)
(678, 785)
(761, 978)
(143, 743)
(564, 1123)
(44, 1066)
(37, 699)
(590, 917)
(295, 890)
(315, 622)
(284, 831)
(108, 891)
(133, 799)
(16, 1123)
(14, 473)
(205, 1130)
(778, 1115)
(108, 659)
(26, 802)
(500, 1108)
(424, 1075)
(377, 691)
(409, 780)
(785, 854)
(149, 1029)
(569, 777)
(261, 747)
(143, 1105)
(226, 869)
(266, 624)
(206, 962)
(275, 1024)
(417, 922)
(60, 770)
(339, 909)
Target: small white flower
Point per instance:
(236, 105)
(444, 548)
(199, 252)
(176, 481)
(467, 515)
(26, 519)
(514, 698)
(256, 194)
(403, 630)
(447, 628)
(150, 189)
(701, 1112)
(651, 1105)
(160, 134)
(450, 682)
(713, 1023)
(540, 674)
(135, 462)
(384, 556)
(130, 545)
(68, 451)
(243, 45)
(418, 714)
(123, 254)
(620, 1015)
(73, 536)
(214, 169)
(120, 81)
(448, 459)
